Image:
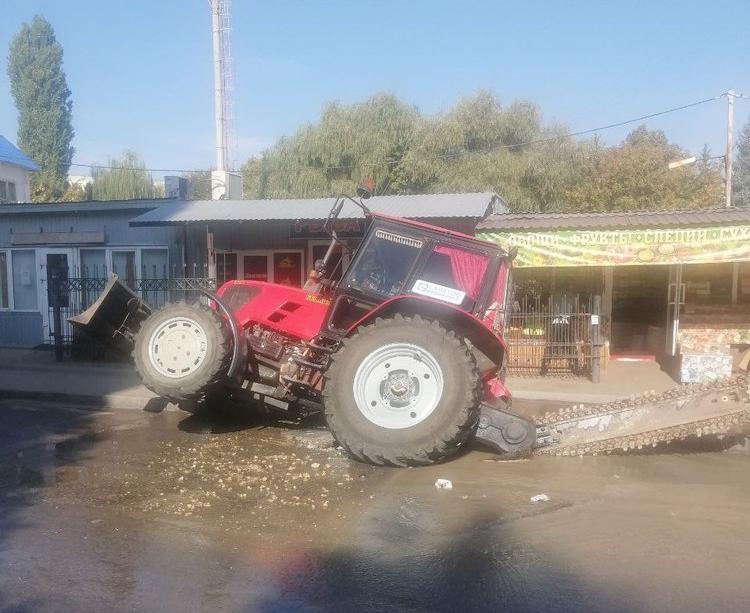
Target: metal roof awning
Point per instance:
(423, 206)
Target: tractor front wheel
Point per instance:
(402, 392)
(182, 351)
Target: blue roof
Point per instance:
(10, 154)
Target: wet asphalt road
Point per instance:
(134, 511)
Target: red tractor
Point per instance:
(404, 352)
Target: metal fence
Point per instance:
(554, 335)
(74, 295)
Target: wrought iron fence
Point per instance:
(76, 294)
(552, 335)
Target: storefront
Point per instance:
(674, 286)
(280, 240)
(64, 242)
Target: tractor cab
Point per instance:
(399, 258)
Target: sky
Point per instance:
(140, 71)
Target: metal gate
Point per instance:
(69, 296)
(554, 335)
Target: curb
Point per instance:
(152, 404)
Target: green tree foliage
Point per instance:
(741, 170)
(43, 100)
(635, 175)
(331, 156)
(125, 178)
(479, 145)
(73, 193)
(199, 185)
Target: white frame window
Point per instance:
(8, 191)
(6, 275)
(75, 263)
(108, 251)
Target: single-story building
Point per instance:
(280, 240)
(15, 173)
(83, 240)
(674, 285)
(157, 245)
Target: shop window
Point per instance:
(7, 191)
(24, 280)
(154, 264)
(4, 300)
(123, 265)
(226, 267)
(93, 264)
(708, 283)
(287, 268)
(255, 267)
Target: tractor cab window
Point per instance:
(384, 265)
(454, 275)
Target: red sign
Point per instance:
(313, 228)
(287, 268)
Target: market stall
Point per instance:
(675, 286)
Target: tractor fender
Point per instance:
(483, 338)
(239, 343)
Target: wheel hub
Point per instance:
(398, 385)
(178, 347)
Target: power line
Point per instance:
(450, 155)
(105, 167)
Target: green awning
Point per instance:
(626, 247)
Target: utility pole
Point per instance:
(728, 160)
(219, 105)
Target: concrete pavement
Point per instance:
(35, 374)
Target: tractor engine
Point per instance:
(289, 365)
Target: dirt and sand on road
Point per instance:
(128, 510)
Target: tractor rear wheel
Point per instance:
(402, 392)
(182, 351)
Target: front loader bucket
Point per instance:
(115, 317)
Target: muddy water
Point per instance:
(137, 511)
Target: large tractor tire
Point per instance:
(182, 351)
(402, 392)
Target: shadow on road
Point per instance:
(399, 565)
(35, 444)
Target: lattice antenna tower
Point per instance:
(226, 142)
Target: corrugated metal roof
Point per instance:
(613, 221)
(476, 205)
(10, 154)
(83, 207)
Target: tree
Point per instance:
(479, 145)
(73, 193)
(199, 185)
(327, 158)
(43, 101)
(741, 170)
(122, 179)
(635, 175)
